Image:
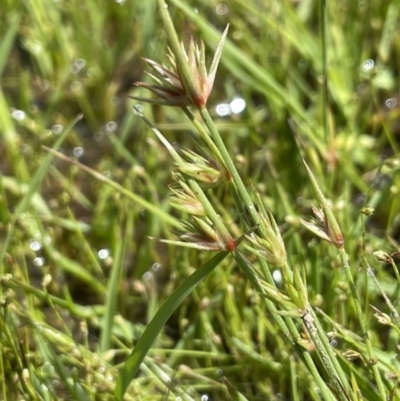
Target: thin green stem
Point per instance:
(371, 359)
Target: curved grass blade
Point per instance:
(134, 360)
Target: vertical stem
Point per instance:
(371, 359)
(324, 89)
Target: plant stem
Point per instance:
(371, 359)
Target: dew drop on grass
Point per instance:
(138, 108)
(111, 126)
(196, 10)
(78, 151)
(24, 148)
(300, 200)
(98, 136)
(391, 103)
(120, 1)
(204, 397)
(74, 68)
(156, 267)
(368, 64)
(104, 253)
(102, 369)
(18, 115)
(38, 262)
(333, 344)
(47, 240)
(35, 245)
(147, 276)
(362, 88)
(237, 105)
(223, 109)
(57, 129)
(55, 383)
(76, 86)
(107, 173)
(80, 63)
(219, 372)
(277, 276)
(222, 9)
(370, 271)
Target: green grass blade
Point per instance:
(8, 41)
(134, 360)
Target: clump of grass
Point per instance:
(234, 296)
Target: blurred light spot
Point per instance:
(78, 151)
(76, 86)
(35, 245)
(38, 262)
(18, 115)
(99, 136)
(368, 64)
(120, 1)
(300, 200)
(111, 126)
(104, 253)
(222, 9)
(44, 85)
(156, 266)
(90, 72)
(333, 343)
(102, 369)
(223, 109)
(24, 148)
(55, 383)
(80, 63)
(107, 173)
(219, 372)
(360, 200)
(370, 271)
(74, 69)
(277, 276)
(178, 398)
(382, 158)
(237, 105)
(391, 103)
(147, 276)
(196, 10)
(204, 397)
(57, 129)
(362, 88)
(47, 240)
(35, 47)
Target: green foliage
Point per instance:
(94, 306)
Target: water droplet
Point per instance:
(138, 109)
(103, 253)
(18, 115)
(204, 397)
(74, 68)
(368, 64)
(334, 343)
(60, 278)
(47, 240)
(80, 63)
(219, 372)
(120, 1)
(107, 173)
(111, 126)
(382, 158)
(90, 72)
(370, 271)
(78, 151)
(76, 86)
(57, 129)
(44, 85)
(196, 10)
(24, 148)
(277, 276)
(223, 109)
(391, 103)
(35, 245)
(222, 9)
(99, 136)
(156, 266)
(362, 88)
(38, 262)
(55, 383)
(360, 200)
(102, 369)
(147, 276)
(278, 396)
(237, 105)
(300, 200)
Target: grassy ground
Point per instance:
(80, 278)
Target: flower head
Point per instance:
(186, 82)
